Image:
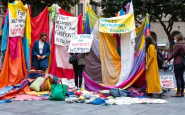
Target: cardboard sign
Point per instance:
(17, 24)
(167, 81)
(65, 28)
(121, 24)
(80, 43)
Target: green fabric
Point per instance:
(36, 84)
(58, 92)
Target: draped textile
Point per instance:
(39, 24)
(14, 67)
(60, 55)
(92, 61)
(110, 60)
(137, 74)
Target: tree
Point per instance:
(38, 5)
(173, 10)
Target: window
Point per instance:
(95, 9)
(80, 9)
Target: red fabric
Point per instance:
(54, 70)
(39, 24)
(60, 72)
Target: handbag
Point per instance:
(58, 92)
(73, 59)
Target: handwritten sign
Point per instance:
(80, 43)
(65, 28)
(167, 81)
(17, 25)
(121, 24)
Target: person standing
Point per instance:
(152, 74)
(40, 53)
(177, 55)
(78, 67)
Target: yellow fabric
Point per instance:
(47, 85)
(37, 93)
(152, 74)
(89, 10)
(110, 60)
(28, 27)
(121, 24)
(17, 5)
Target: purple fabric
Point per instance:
(127, 7)
(139, 65)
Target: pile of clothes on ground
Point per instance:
(40, 86)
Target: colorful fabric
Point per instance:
(110, 60)
(14, 68)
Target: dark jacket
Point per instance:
(178, 53)
(35, 51)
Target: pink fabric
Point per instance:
(25, 97)
(13, 47)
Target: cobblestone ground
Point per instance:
(176, 106)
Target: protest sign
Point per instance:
(65, 28)
(121, 24)
(80, 43)
(17, 23)
(167, 81)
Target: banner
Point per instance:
(167, 82)
(17, 25)
(65, 28)
(121, 24)
(80, 43)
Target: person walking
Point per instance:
(177, 55)
(152, 74)
(40, 53)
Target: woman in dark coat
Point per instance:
(40, 53)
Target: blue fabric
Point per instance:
(35, 51)
(99, 101)
(5, 101)
(5, 34)
(5, 90)
(69, 93)
(35, 75)
(26, 48)
(122, 12)
(87, 27)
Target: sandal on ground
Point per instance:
(177, 95)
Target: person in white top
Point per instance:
(40, 53)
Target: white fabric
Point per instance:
(96, 42)
(41, 46)
(127, 57)
(62, 57)
(127, 52)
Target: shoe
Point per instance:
(178, 94)
(182, 94)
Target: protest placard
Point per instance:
(65, 28)
(121, 24)
(80, 43)
(167, 81)
(17, 23)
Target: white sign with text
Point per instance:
(80, 43)
(65, 28)
(17, 24)
(167, 82)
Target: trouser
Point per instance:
(179, 71)
(40, 68)
(78, 69)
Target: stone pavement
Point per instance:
(176, 106)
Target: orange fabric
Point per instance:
(13, 70)
(24, 90)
